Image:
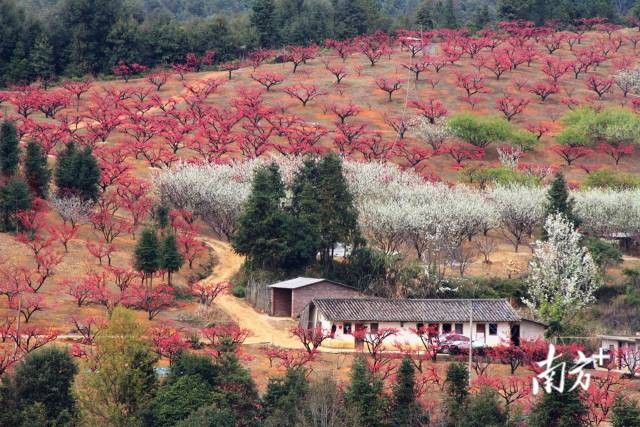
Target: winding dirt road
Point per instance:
(264, 329)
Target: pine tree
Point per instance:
(42, 59)
(88, 174)
(350, 18)
(284, 397)
(449, 15)
(77, 173)
(161, 216)
(559, 201)
(559, 409)
(457, 390)
(147, 253)
(338, 216)
(625, 413)
(36, 170)
(9, 149)
(424, 17)
(364, 396)
(263, 20)
(484, 410)
(170, 258)
(406, 411)
(14, 197)
(481, 18)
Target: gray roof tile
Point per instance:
(416, 310)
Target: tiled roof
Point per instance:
(416, 310)
(300, 282)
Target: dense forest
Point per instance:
(42, 39)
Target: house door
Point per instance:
(515, 335)
(480, 332)
(360, 331)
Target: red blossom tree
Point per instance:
(310, 338)
(600, 85)
(389, 85)
(267, 79)
(208, 292)
(158, 79)
(304, 92)
(616, 151)
(511, 106)
(344, 111)
(544, 89)
(431, 109)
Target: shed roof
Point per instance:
(300, 282)
(416, 310)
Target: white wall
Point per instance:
(405, 333)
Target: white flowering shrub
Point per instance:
(562, 274)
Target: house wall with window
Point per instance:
(490, 334)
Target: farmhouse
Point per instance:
(491, 321)
(288, 298)
(613, 343)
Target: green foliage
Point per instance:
(322, 198)
(498, 175)
(604, 253)
(14, 197)
(122, 385)
(587, 127)
(457, 392)
(523, 139)
(161, 216)
(209, 416)
(559, 201)
(263, 20)
(363, 267)
(405, 410)
(284, 397)
(484, 410)
(77, 173)
(491, 287)
(40, 388)
(36, 170)
(558, 409)
(270, 235)
(364, 396)
(480, 130)
(625, 413)
(176, 400)
(9, 149)
(147, 252)
(610, 179)
(169, 256)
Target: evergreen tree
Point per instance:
(36, 170)
(161, 216)
(350, 18)
(625, 413)
(424, 17)
(77, 173)
(270, 235)
(364, 397)
(263, 20)
(175, 401)
(42, 59)
(557, 409)
(405, 410)
(457, 389)
(484, 410)
(147, 253)
(559, 201)
(449, 15)
(209, 416)
(170, 258)
(338, 216)
(42, 383)
(14, 197)
(284, 397)
(481, 18)
(9, 149)
(123, 383)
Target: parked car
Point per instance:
(454, 343)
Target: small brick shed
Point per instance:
(289, 298)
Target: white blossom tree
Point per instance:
(520, 209)
(434, 134)
(562, 274)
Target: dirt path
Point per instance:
(264, 329)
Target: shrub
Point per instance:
(480, 131)
(609, 179)
(238, 292)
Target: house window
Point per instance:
(347, 328)
(419, 326)
(434, 329)
(493, 329)
(333, 331)
(458, 328)
(373, 328)
(446, 328)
